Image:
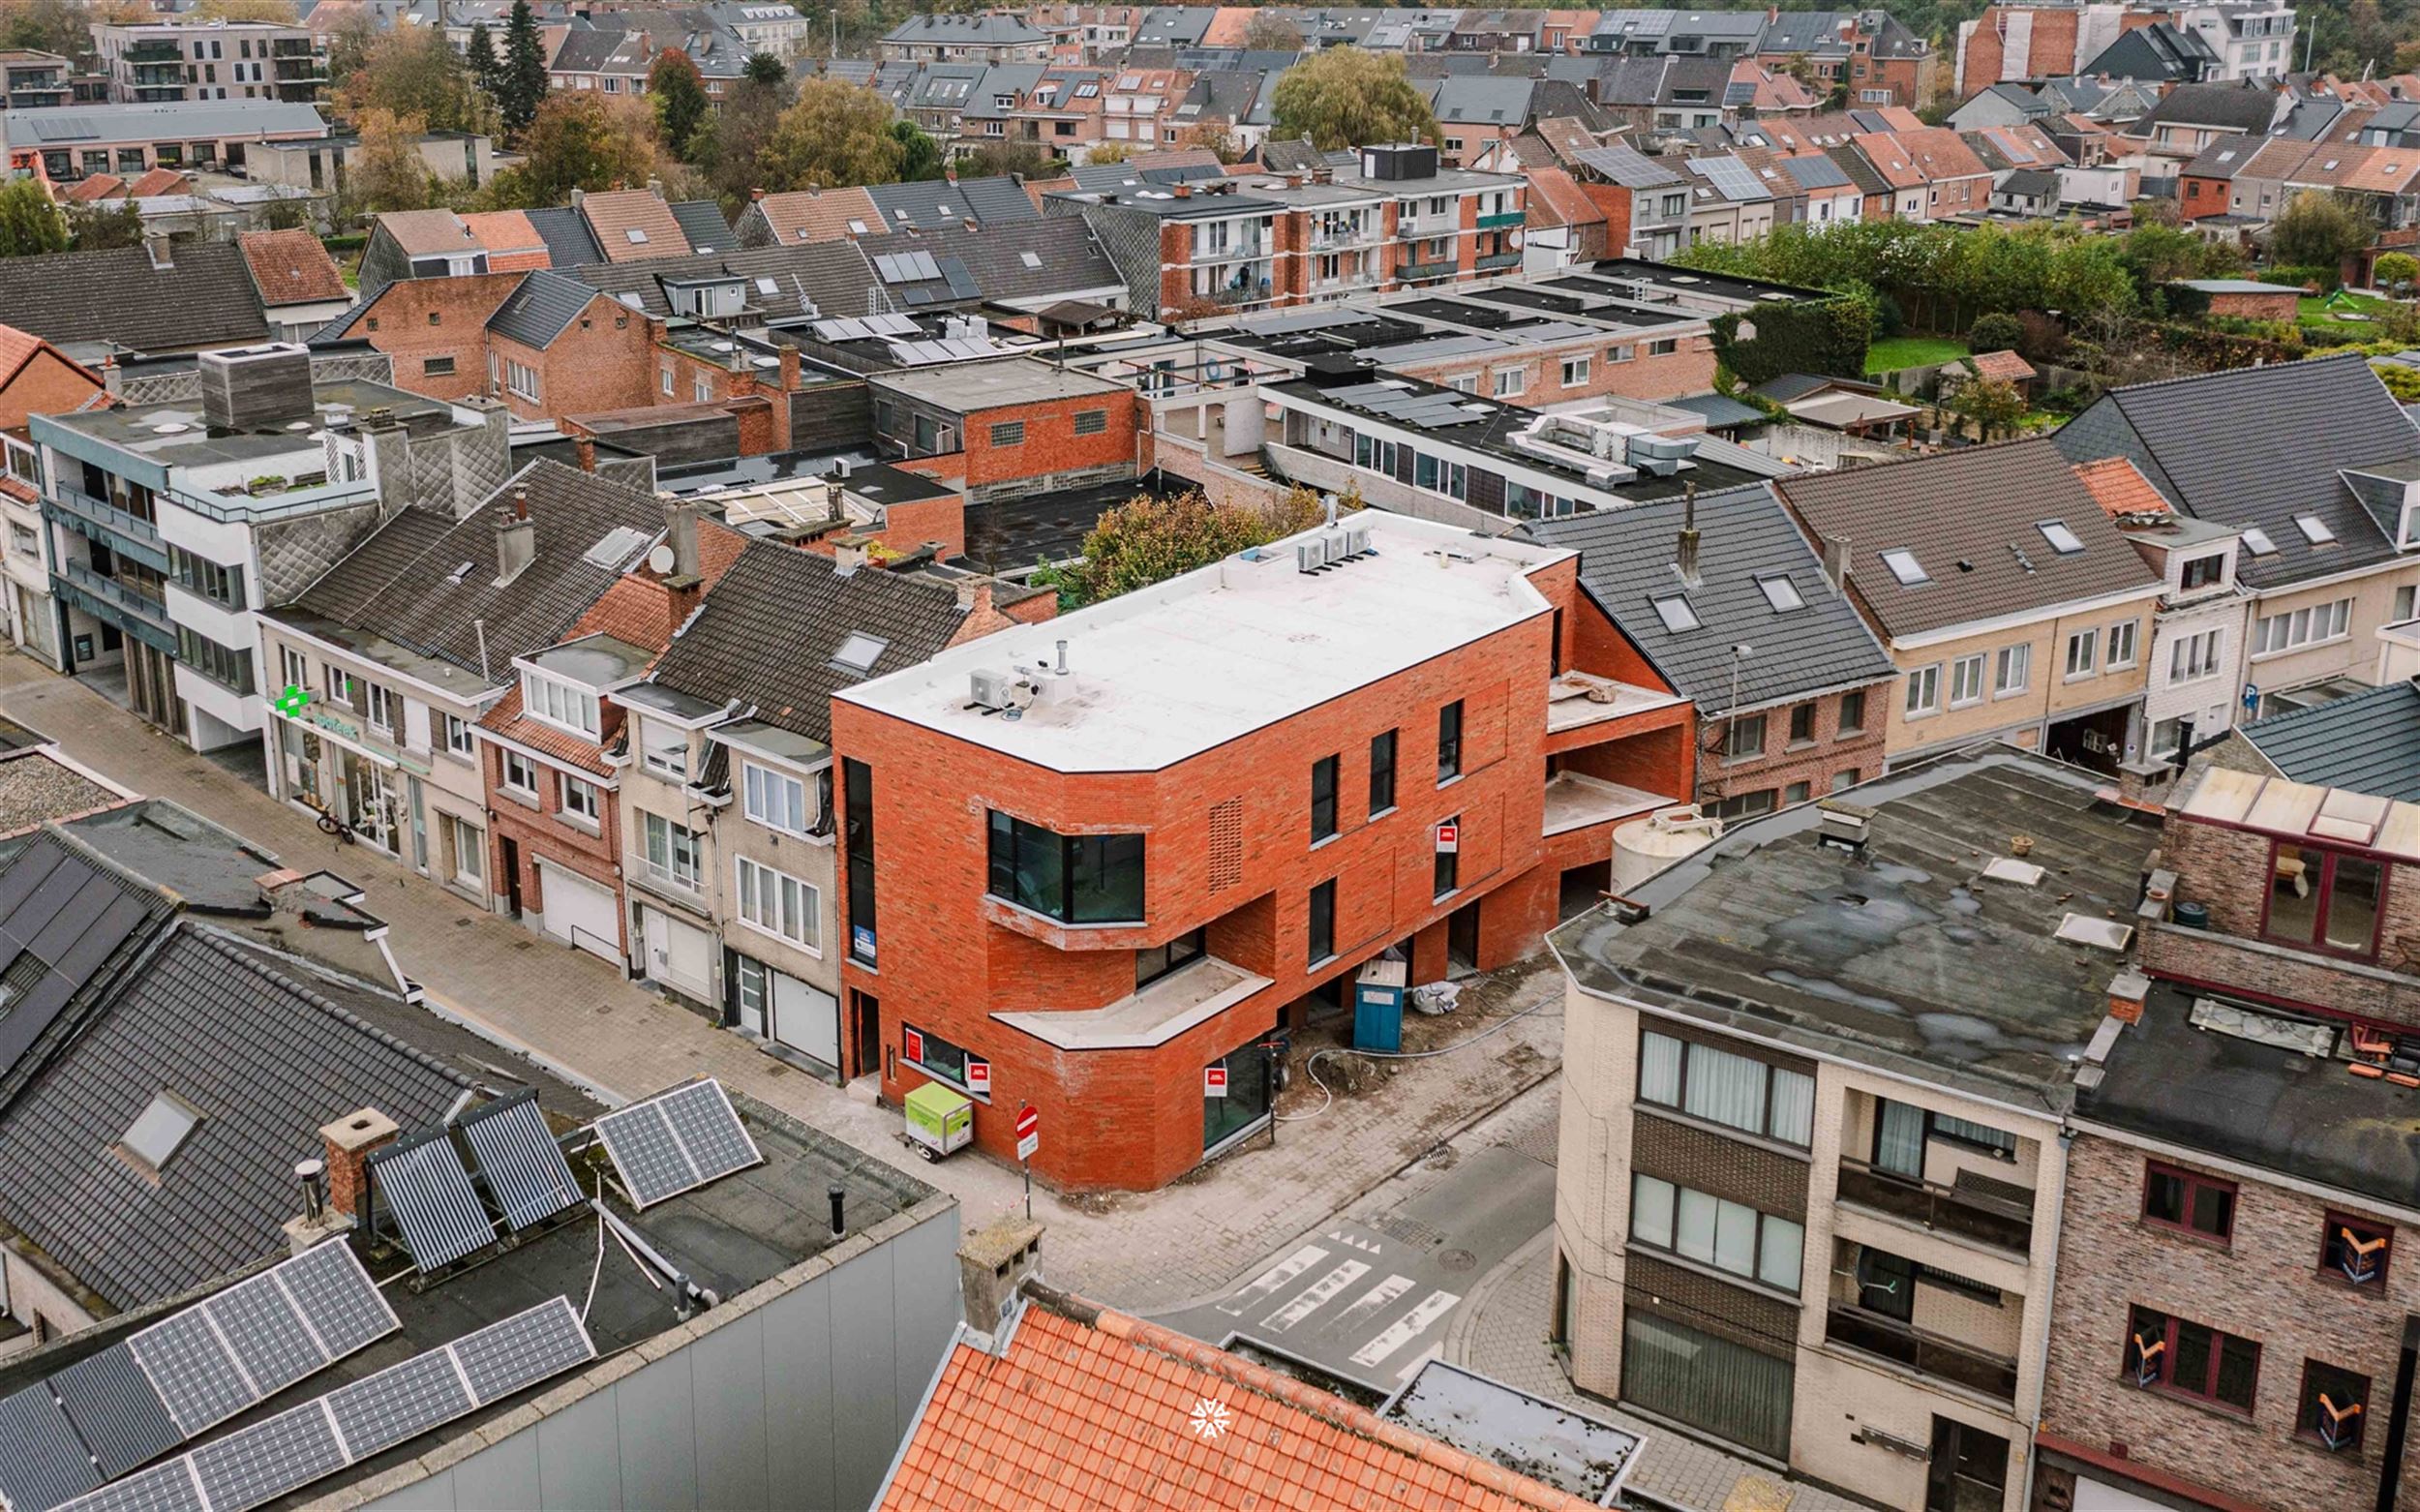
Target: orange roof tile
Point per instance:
(2006, 365)
(808, 216)
(2119, 488)
(634, 225)
(513, 245)
(159, 181)
(101, 185)
(1227, 28)
(1556, 199)
(291, 265)
(1089, 1407)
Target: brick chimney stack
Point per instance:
(348, 1143)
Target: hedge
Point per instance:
(1824, 337)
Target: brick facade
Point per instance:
(524, 830)
(1819, 763)
(2267, 1286)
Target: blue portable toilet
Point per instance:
(1379, 1006)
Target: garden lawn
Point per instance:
(1913, 351)
(2314, 309)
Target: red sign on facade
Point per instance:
(1449, 835)
(911, 1044)
(978, 1075)
(1214, 1081)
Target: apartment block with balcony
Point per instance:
(222, 491)
(1092, 865)
(1811, 1165)
(159, 62)
(2235, 1305)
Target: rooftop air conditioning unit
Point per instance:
(1311, 554)
(1661, 455)
(1357, 540)
(998, 689)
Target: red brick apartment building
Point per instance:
(1093, 864)
(2237, 1310)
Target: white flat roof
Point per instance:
(1174, 670)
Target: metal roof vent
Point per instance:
(1848, 825)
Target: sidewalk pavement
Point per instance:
(1501, 1332)
(581, 1017)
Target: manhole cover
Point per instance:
(1456, 1260)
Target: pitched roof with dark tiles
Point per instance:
(566, 232)
(1628, 559)
(702, 221)
(781, 595)
(2368, 742)
(427, 581)
(1971, 517)
(205, 299)
(833, 274)
(2234, 107)
(541, 308)
(2258, 447)
(1022, 259)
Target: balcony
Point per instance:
(156, 49)
(1412, 272)
(680, 885)
(121, 596)
(1927, 1353)
(1230, 252)
(1963, 1212)
(1498, 261)
(130, 533)
(1576, 801)
(1501, 222)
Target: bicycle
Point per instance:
(329, 824)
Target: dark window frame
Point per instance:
(2191, 1183)
(2308, 1414)
(1680, 1107)
(1081, 855)
(1449, 732)
(1447, 872)
(857, 784)
(1319, 924)
(2323, 903)
(2169, 1344)
(1382, 752)
(1324, 775)
(1174, 956)
(2333, 1252)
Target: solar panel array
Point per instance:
(98, 1418)
(859, 328)
(906, 267)
(525, 1168)
(675, 1141)
(429, 1191)
(270, 1459)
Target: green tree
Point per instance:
(831, 133)
(2321, 229)
(411, 72)
(2401, 382)
(2397, 270)
(579, 140)
(731, 144)
(523, 87)
(29, 223)
(486, 70)
(98, 228)
(1995, 332)
(1347, 97)
(278, 11)
(1111, 152)
(1271, 32)
(57, 26)
(1149, 540)
(388, 172)
(679, 93)
(1992, 405)
(768, 70)
(1000, 159)
(919, 155)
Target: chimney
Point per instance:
(680, 534)
(348, 1145)
(992, 1262)
(848, 553)
(155, 246)
(516, 539)
(584, 447)
(789, 358)
(974, 596)
(1837, 563)
(579, 197)
(655, 187)
(1185, 190)
(2127, 990)
(755, 195)
(1686, 556)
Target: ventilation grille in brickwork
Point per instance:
(1227, 845)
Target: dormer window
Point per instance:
(2200, 572)
(1904, 567)
(573, 709)
(2064, 541)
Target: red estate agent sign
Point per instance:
(1214, 1081)
(979, 1077)
(1449, 836)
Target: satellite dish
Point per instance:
(660, 559)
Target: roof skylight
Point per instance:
(2314, 529)
(859, 652)
(1677, 614)
(1904, 567)
(1781, 593)
(2256, 541)
(2062, 540)
(159, 1130)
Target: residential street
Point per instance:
(578, 1016)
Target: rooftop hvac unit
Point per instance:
(1357, 540)
(1661, 455)
(1000, 688)
(253, 388)
(1311, 554)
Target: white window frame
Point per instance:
(1577, 372)
(665, 758)
(340, 684)
(1922, 698)
(762, 794)
(475, 874)
(580, 797)
(510, 769)
(459, 739)
(774, 902)
(2193, 657)
(672, 865)
(2083, 655)
(295, 666)
(552, 701)
(382, 707)
(1966, 680)
(1505, 382)
(2125, 645)
(2013, 670)
(521, 381)
(2299, 629)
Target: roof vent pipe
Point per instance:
(1327, 502)
(1063, 659)
(1687, 557)
(312, 1176)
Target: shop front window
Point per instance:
(1246, 1104)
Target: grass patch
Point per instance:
(2315, 310)
(1913, 351)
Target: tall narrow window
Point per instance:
(1322, 921)
(1323, 799)
(1449, 741)
(1381, 773)
(857, 781)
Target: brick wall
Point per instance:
(1051, 454)
(1228, 846)
(600, 362)
(2267, 1286)
(538, 834)
(1815, 763)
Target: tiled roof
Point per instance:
(1018, 260)
(2119, 487)
(1628, 561)
(2368, 742)
(805, 216)
(205, 299)
(2259, 446)
(781, 595)
(159, 181)
(578, 751)
(291, 266)
(98, 187)
(835, 275)
(427, 581)
(541, 308)
(512, 243)
(634, 225)
(2234, 107)
(566, 232)
(425, 233)
(1971, 520)
(1085, 1407)
(703, 224)
(2006, 365)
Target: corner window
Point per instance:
(2177, 1199)
(2325, 899)
(1072, 878)
(1721, 1087)
(1449, 742)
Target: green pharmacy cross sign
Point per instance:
(293, 701)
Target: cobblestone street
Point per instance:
(578, 1016)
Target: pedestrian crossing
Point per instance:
(1339, 1300)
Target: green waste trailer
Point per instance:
(939, 1120)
